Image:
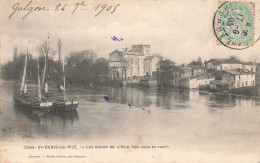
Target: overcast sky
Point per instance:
(179, 30)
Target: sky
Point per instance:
(179, 30)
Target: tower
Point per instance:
(141, 48)
(15, 53)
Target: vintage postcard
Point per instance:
(130, 81)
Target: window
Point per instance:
(239, 76)
(253, 82)
(252, 69)
(242, 84)
(246, 82)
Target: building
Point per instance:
(224, 64)
(191, 70)
(196, 82)
(151, 64)
(232, 79)
(249, 67)
(133, 63)
(116, 69)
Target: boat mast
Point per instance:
(24, 72)
(45, 64)
(39, 83)
(64, 88)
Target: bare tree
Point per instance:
(44, 51)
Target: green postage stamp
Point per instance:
(234, 24)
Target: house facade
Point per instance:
(231, 79)
(249, 67)
(223, 64)
(196, 82)
(151, 64)
(116, 69)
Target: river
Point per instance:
(222, 122)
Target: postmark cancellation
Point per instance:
(234, 24)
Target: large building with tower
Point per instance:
(129, 63)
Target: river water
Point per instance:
(183, 118)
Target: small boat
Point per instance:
(27, 101)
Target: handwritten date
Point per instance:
(101, 7)
(82, 5)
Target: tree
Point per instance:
(14, 69)
(198, 62)
(165, 71)
(99, 70)
(79, 66)
(46, 53)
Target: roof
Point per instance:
(203, 76)
(229, 60)
(141, 44)
(249, 63)
(239, 72)
(116, 51)
(132, 53)
(183, 79)
(193, 67)
(196, 66)
(214, 81)
(126, 53)
(151, 57)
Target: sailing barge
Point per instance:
(60, 103)
(31, 102)
(64, 104)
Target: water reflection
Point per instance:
(42, 125)
(165, 98)
(68, 116)
(96, 116)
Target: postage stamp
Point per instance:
(234, 24)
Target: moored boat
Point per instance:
(63, 103)
(26, 101)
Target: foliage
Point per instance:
(13, 69)
(165, 71)
(78, 69)
(166, 65)
(84, 68)
(81, 67)
(198, 62)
